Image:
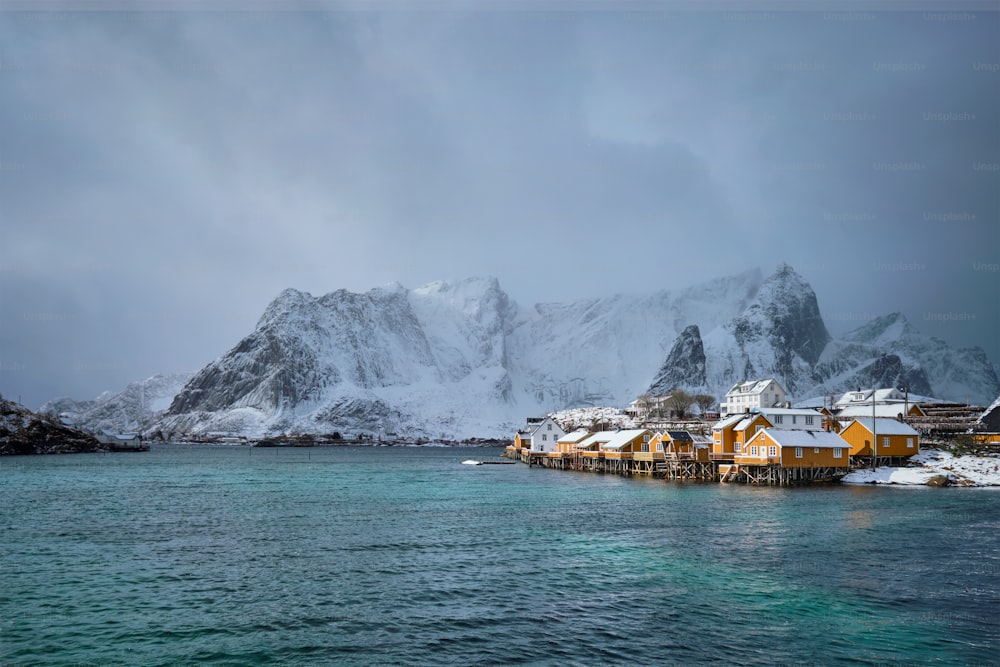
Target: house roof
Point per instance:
(594, 439)
(751, 387)
(748, 419)
(575, 436)
(680, 435)
(533, 426)
(888, 410)
(728, 421)
(848, 398)
(886, 427)
(807, 412)
(799, 438)
(884, 395)
(993, 406)
(621, 438)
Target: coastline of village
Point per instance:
(884, 436)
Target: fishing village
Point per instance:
(756, 437)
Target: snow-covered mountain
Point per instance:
(890, 351)
(135, 408)
(463, 359)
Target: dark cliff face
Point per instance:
(789, 305)
(264, 365)
(25, 432)
(684, 366)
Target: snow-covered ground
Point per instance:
(930, 465)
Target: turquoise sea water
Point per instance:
(402, 555)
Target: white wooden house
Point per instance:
(745, 396)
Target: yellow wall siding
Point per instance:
(814, 457)
(860, 439)
(762, 441)
(750, 431)
(811, 457)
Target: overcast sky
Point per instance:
(164, 175)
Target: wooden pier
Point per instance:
(679, 468)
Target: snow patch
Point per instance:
(930, 464)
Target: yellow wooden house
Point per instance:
(568, 442)
(795, 448)
(894, 438)
(623, 444)
(650, 452)
(681, 445)
(730, 434)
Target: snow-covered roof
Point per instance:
(814, 402)
(887, 427)
(886, 410)
(884, 395)
(807, 412)
(801, 438)
(621, 438)
(993, 406)
(728, 421)
(748, 419)
(863, 395)
(574, 437)
(534, 427)
(751, 387)
(595, 439)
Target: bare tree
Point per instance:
(679, 403)
(705, 402)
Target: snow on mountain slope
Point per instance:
(928, 365)
(135, 408)
(602, 351)
(779, 334)
(462, 359)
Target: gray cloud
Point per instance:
(164, 175)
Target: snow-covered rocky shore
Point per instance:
(935, 468)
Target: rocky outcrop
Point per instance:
(25, 432)
(684, 366)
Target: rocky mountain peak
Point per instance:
(684, 366)
(789, 304)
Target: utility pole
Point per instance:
(874, 436)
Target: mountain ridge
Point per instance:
(463, 359)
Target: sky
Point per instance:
(164, 174)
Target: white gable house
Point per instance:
(545, 435)
(745, 396)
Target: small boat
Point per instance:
(471, 462)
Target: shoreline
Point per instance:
(933, 467)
